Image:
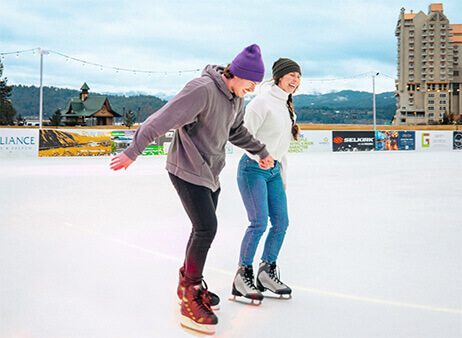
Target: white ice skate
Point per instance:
(243, 286)
(268, 279)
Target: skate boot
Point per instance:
(210, 298)
(268, 279)
(243, 286)
(196, 314)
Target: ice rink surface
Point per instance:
(374, 249)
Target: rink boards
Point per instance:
(18, 142)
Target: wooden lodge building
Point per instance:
(96, 108)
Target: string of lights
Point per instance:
(100, 66)
(166, 73)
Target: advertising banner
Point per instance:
(406, 140)
(434, 140)
(353, 140)
(457, 140)
(394, 140)
(312, 140)
(386, 140)
(121, 139)
(74, 142)
(19, 142)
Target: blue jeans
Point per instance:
(264, 197)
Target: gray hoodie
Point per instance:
(205, 115)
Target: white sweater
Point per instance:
(268, 120)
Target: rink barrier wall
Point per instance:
(19, 142)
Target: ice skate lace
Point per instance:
(248, 279)
(200, 298)
(274, 275)
(205, 293)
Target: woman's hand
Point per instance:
(266, 163)
(120, 161)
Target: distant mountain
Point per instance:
(347, 106)
(344, 99)
(25, 100)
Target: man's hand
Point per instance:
(120, 161)
(266, 163)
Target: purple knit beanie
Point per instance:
(248, 64)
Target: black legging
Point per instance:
(200, 204)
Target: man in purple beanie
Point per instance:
(206, 113)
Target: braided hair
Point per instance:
(290, 107)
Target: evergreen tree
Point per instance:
(56, 119)
(129, 119)
(7, 111)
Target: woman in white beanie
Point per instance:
(271, 120)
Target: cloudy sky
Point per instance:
(162, 43)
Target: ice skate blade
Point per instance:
(246, 301)
(188, 323)
(279, 296)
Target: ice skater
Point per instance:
(206, 113)
(270, 118)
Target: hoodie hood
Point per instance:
(214, 72)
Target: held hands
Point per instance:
(266, 163)
(120, 161)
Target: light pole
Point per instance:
(41, 52)
(373, 99)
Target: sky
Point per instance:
(164, 44)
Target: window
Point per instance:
(431, 108)
(456, 73)
(442, 101)
(431, 101)
(431, 95)
(442, 95)
(442, 108)
(431, 115)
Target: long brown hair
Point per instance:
(290, 107)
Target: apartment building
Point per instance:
(429, 68)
